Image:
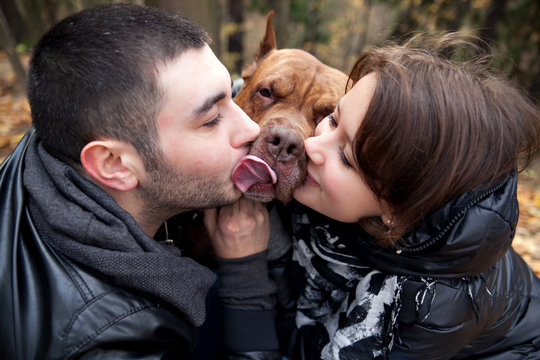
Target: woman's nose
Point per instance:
(314, 150)
(315, 146)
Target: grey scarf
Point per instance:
(86, 225)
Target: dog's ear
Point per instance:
(268, 43)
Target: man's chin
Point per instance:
(224, 200)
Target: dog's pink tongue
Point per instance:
(250, 171)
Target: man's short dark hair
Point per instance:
(94, 74)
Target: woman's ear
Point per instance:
(115, 164)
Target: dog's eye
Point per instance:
(265, 93)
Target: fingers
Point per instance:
(210, 220)
(251, 208)
(238, 230)
(242, 210)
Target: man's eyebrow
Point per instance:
(208, 103)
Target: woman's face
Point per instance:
(334, 186)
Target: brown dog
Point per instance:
(287, 92)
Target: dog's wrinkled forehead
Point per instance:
(282, 86)
(302, 62)
(305, 84)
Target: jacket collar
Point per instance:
(465, 237)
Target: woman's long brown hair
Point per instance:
(440, 123)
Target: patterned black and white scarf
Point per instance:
(345, 310)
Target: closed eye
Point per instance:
(342, 156)
(332, 120)
(343, 159)
(213, 122)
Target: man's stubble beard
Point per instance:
(168, 191)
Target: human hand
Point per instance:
(238, 230)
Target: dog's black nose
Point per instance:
(283, 143)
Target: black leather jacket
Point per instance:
(53, 309)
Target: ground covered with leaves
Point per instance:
(15, 120)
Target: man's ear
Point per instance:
(112, 163)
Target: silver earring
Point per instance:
(387, 221)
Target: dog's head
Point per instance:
(287, 92)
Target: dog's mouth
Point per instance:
(259, 181)
(262, 182)
(262, 192)
(253, 171)
(275, 166)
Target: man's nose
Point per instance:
(246, 130)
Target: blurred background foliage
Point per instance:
(336, 31)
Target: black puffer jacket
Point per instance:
(465, 293)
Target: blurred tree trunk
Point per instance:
(459, 8)
(207, 13)
(357, 25)
(27, 19)
(495, 13)
(314, 21)
(404, 22)
(282, 17)
(366, 15)
(7, 42)
(235, 37)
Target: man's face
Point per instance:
(202, 133)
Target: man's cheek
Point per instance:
(209, 163)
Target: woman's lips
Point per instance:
(311, 180)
